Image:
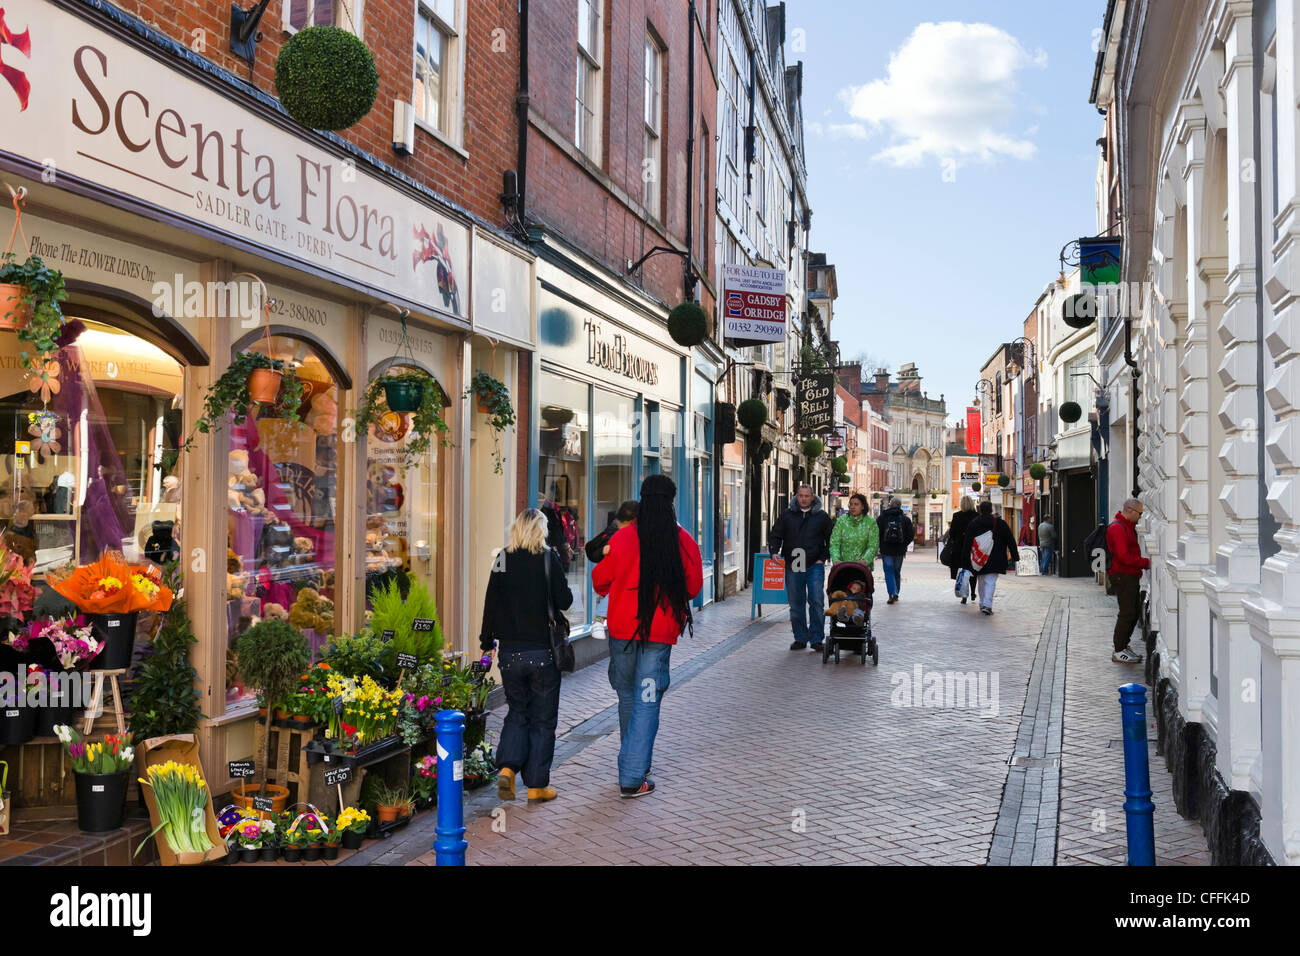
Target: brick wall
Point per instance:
(491, 77)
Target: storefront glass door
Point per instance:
(564, 451)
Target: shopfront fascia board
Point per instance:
(501, 291)
(119, 114)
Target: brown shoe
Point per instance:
(506, 784)
(541, 794)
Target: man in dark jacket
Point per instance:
(801, 537)
(1126, 567)
(992, 552)
(896, 533)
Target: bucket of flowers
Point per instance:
(424, 782)
(101, 769)
(362, 718)
(480, 766)
(73, 646)
(354, 823)
(112, 593)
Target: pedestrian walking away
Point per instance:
(651, 573)
(896, 533)
(956, 546)
(1125, 571)
(515, 619)
(1046, 545)
(801, 539)
(988, 543)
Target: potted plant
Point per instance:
(840, 464)
(249, 837)
(271, 656)
(326, 78)
(408, 391)
(480, 766)
(353, 823)
(30, 293)
(688, 324)
(74, 646)
(424, 781)
(493, 401)
(292, 842)
(250, 378)
(102, 770)
(163, 699)
(330, 838)
(311, 843)
(389, 801)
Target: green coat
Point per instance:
(855, 539)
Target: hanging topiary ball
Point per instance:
(751, 413)
(975, 486)
(326, 78)
(840, 464)
(688, 324)
(1004, 481)
(1038, 471)
(1070, 412)
(813, 447)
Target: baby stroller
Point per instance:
(850, 630)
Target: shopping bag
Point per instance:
(981, 550)
(963, 583)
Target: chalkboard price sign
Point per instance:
(423, 624)
(406, 660)
(337, 776)
(262, 803)
(386, 634)
(241, 768)
(338, 706)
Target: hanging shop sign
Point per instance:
(972, 430)
(753, 305)
(164, 143)
(1099, 260)
(814, 407)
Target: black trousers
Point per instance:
(532, 685)
(1128, 595)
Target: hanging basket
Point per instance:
(1004, 481)
(264, 385)
(752, 413)
(1038, 471)
(326, 78)
(14, 314)
(1070, 412)
(840, 464)
(556, 416)
(688, 324)
(404, 396)
(813, 447)
(975, 486)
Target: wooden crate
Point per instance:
(286, 759)
(43, 784)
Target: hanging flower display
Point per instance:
(43, 426)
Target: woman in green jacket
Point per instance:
(856, 536)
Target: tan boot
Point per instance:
(541, 794)
(506, 784)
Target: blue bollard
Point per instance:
(450, 844)
(1138, 808)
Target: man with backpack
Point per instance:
(896, 533)
(1125, 567)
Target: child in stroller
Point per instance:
(851, 588)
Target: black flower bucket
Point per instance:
(117, 631)
(59, 707)
(17, 725)
(101, 800)
(351, 840)
(404, 395)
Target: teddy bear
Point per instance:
(277, 544)
(303, 550)
(323, 418)
(161, 546)
(20, 536)
(171, 490)
(847, 607)
(236, 580)
(271, 610)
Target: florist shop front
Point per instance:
(227, 357)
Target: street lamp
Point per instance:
(1018, 348)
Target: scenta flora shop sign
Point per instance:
(105, 112)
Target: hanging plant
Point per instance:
(934, 496)
(326, 78)
(494, 401)
(813, 447)
(250, 379)
(688, 324)
(975, 486)
(840, 464)
(30, 293)
(1079, 310)
(555, 416)
(426, 416)
(752, 413)
(1070, 412)
(1038, 471)
(1004, 481)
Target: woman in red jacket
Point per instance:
(651, 574)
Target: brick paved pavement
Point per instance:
(766, 756)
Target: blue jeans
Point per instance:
(532, 685)
(893, 566)
(638, 672)
(1045, 554)
(806, 590)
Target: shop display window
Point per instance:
(403, 519)
(282, 486)
(731, 513)
(564, 450)
(97, 466)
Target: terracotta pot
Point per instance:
(264, 385)
(483, 407)
(387, 814)
(301, 719)
(281, 714)
(244, 798)
(13, 315)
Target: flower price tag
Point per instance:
(262, 803)
(386, 634)
(337, 775)
(406, 660)
(241, 768)
(422, 624)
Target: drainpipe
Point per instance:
(521, 112)
(1137, 394)
(689, 278)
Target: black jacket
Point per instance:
(1003, 542)
(905, 525)
(957, 541)
(809, 530)
(514, 612)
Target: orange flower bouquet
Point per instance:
(112, 586)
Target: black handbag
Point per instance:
(558, 626)
(945, 556)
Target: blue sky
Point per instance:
(951, 153)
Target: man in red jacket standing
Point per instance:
(1126, 567)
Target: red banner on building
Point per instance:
(972, 430)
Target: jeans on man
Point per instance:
(805, 591)
(532, 685)
(1046, 553)
(893, 565)
(1128, 595)
(638, 672)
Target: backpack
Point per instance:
(981, 549)
(1097, 542)
(893, 532)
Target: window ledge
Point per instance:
(233, 716)
(442, 138)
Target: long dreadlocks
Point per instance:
(662, 577)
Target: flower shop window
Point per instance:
(91, 460)
(282, 486)
(403, 513)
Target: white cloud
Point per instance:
(838, 130)
(950, 94)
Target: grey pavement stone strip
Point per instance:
(1025, 832)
